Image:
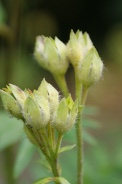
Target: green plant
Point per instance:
(46, 117)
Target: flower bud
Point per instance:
(65, 115)
(50, 93)
(10, 104)
(84, 57)
(36, 111)
(18, 94)
(51, 54)
(90, 68)
(78, 46)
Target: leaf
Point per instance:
(43, 180)
(66, 148)
(25, 153)
(11, 130)
(47, 180)
(61, 180)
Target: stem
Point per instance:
(53, 137)
(79, 150)
(84, 95)
(55, 170)
(60, 80)
(60, 136)
(53, 161)
(81, 93)
(53, 156)
(50, 131)
(79, 134)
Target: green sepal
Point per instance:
(62, 112)
(19, 94)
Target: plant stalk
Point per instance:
(79, 133)
(58, 144)
(81, 94)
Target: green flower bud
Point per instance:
(90, 68)
(18, 94)
(65, 115)
(10, 104)
(78, 46)
(50, 93)
(84, 57)
(36, 111)
(51, 54)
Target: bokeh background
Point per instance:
(20, 22)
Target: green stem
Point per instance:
(53, 137)
(53, 161)
(50, 133)
(60, 136)
(79, 132)
(79, 150)
(60, 80)
(81, 94)
(84, 95)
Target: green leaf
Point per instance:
(66, 148)
(11, 130)
(43, 180)
(48, 179)
(61, 180)
(25, 153)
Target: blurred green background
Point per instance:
(20, 22)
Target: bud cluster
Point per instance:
(53, 55)
(39, 108)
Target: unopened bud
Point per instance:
(19, 94)
(50, 93)
(78, 46)
(51, 54)
(36, 112)
(10, 104)
(65, 115)
(90, 68)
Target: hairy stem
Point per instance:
(81, 94)
(53, 160)
(79, 133)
